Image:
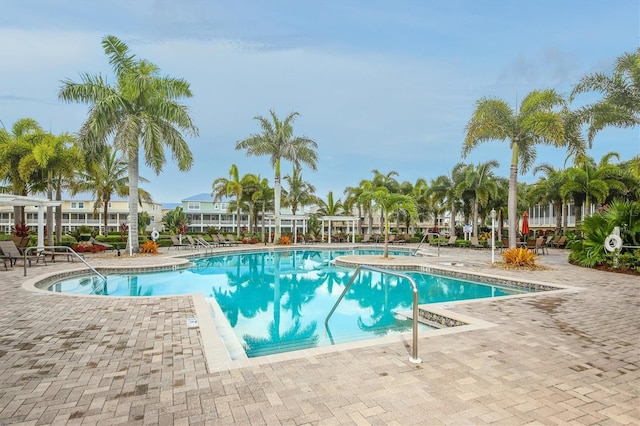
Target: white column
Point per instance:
(41, 227)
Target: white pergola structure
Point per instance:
(9, 200)
(347, 219)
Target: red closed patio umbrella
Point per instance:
(525, 224)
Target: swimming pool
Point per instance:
(277, 301)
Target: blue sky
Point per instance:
(386, 85)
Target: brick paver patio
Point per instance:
(561, 358)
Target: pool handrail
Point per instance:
(413, 358)
(415, 251)
(67, 249)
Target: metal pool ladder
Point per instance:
(413, 358)
(65, 248)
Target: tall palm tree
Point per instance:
(299, 194)
(103, 178)
(277, 141)
(263, 196)
(390, 201)
(56, 158)
(588, 180)
(352, 200)
(140, 111)
(548, 190)
(620, 105)
(250, 185)
(444, 189)
(14, 147)
(223, 187)
(480, 185)
(388, 181)
(536, 122)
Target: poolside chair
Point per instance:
(231, 240)
(391, 238)
(366, 239)
(540, 245)
(204, 243)
(192, 242)
(475, 243)
(176, 242)
(549, 241)
(219, 240)
(452, 241)
(10, 249)
(562, 241)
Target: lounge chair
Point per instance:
(366, 238)
(10, 250)
(562, 241)
(452, 241)
(540, 245)
(204, 243)
(192, 242)
(177, 244)
(219, 240)
(475, 243)
(549, 241)
(391, 238)
(231, 240)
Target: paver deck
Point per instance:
(562, 358)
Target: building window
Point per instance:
(193, 206)
(77, 205)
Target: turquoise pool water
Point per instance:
(277, 301)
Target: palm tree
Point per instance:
(352, 200)
(536, 122)
(25, 134)
(548, 190)
(223, 187)
(388, 181)
(264, 196)
(139, 112)
(389, 202)
(56, 159)
(589, 180)
(300, 193)
(103, 178)
(445, 190)
(480, 184)
(331, 207)
(277, 141)
(620, 105)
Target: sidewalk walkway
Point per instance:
(570, 358)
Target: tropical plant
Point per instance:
(588, 180)
(520, 257)
(479, 185)
(277, 142)
(227, 187)
(547, 189)
(590, 250)
(263, 196)
(388, 202)
(620, 104)
(139, 112)
(149, 247)
(536, 122)
(174, 220)
(14, 147)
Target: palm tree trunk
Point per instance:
(558, 210)
(105, 212)
(512, 201)
(264, 212)
(134, 175)
(276, 203)
(49, 212)
(238, 218)
(475, 218)
(58, 215)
